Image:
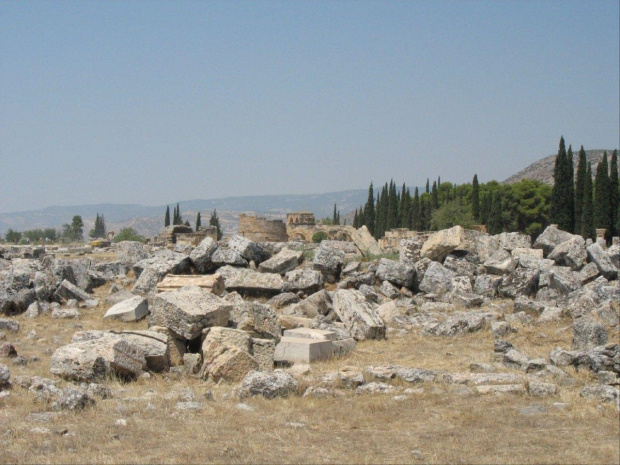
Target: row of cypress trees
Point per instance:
(579, 205)
(176, 217)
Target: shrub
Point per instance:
(128, 234)
(319, 236)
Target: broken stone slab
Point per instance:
(176, 345)
(409, 250)
(460, 266)
(441, 243)
(519, 252)
(514, 240)
(251, 282)
(603, 262)
(65, 313)
(5, 377)
(487, 285)
(364, 241)
(502, 389)
(118, 297)
(589, 332)
(483, 379)
(309, 333)
(225, 362)
(601, 392)
(67, 291)
(130, 252)
(319, 303)
(588, 273)
(458, 324)
(571, 253)
(466, 299)
(202, 255)
(258, 319)
(8, 324)
(188, 311)
(500, 263)
(211, 283)
(437, 279)
(268, 385)
(305, 280)
(329, 262)
(375, 388)
(398, 273)
(410, 375)
(551, 238)
(389, 290)
(133, 309)
(564, 280)
(228, 336)
(522, 281)
(224, 257)
(358, 316)
(152, 270)
(284, 261)
(283, 300)
(248, 249)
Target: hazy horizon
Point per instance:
(130, 102)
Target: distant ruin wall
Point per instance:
(261, 229)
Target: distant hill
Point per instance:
(148, 220)
(542, 170)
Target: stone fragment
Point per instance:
(441, 243)
(284, 261)
(225, 362)
(458, 324)
(283, 300)
(249, 250)
(398, 273)
(603, 262)
(437, 279)
(571, 253)
(211, 283)
(329, 262)
(228, 336)
(319, 303)
(202, 255)
(7, 350)
(389, 290)
(5, 377)
(118, 297)
(268, 385)
(514, 240)
(65, 313)
(375, 388)
(10, 325)
(551, 238)
(358, 316)
(152, 270)
(500, 263)
(364, 241)
(133, 309)
(487, 285)
(522, 281)
(305, 280)
(251, 282)
(130, 252)
(601, 392)
(588, 333)
(263, 352)
(258, 319)
(68, 290)
(223, 257)
(188, 311)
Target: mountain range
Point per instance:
(148, 220)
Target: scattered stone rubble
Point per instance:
(244, 312)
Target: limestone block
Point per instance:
(133, 309)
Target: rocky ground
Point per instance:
(466, 348)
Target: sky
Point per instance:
(152, 102)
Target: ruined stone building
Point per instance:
(261, 229)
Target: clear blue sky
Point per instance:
(155, 101)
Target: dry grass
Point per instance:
(443, 426)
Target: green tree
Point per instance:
(495, 225)
(603, 216)
(50, 234)
(177, 218)
(167, 217)
(475, 199)
(369, 211)
(215, 222)
(562, 210)
(198, 224)
(580, 184)
(13, 236)
(128, 234)
(450, 214)
(77, 228)
(319, 236)
(587, 216)
(615, 194)
(415, 210)
(99, 230)
(435, 195)
(336, 216)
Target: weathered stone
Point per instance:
(329, 262)
(365, 242)
(501, 328)
(224, 257)
(7, 324)
(519, 252)
(502, 389)
(202, 255)
(512, 240)
(357, 315)
(225, 362)
(263, 352)
(65, 313)
(319, 303)
(398, 273)
(375, 388)
(283, 300)
(5, 377)
(461, 267)
(283, 261)
(500, 263)
(564, 280)
(601, 392)
(130, 252)
(588, 333)
(249, 250)
(268, 385)
(7, 350)
(603, 262)
(189, 310)
(571, 253)
(111, 270)
(389, 290)
(466, 299)
(302, 349)
(522, 281)
(211, 283)
(437, 279)
(458, 324)
(410, 250)
(487, 285)
(551, 238)
(129, 310)
(73, 399)
(152, 270)
(176, 345)
(118, 297)
(441, 243)
(250, 281)
(228, 336)
(305, 280)
(588, 273)
(561, 357)
(550, 314)
(613, 253)
(67, 291)
(259, 319)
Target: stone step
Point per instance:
(308, 333)
(305, 350)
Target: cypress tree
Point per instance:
(369, 211)
(570, 187)
(435, 195)
(475, 199)
(415, 210)
(602, 198)
(615, 194)
(392, 209)
(579, 190)
(559, 192)
(215, 222)
(355, 219)
(427, 186)
(198, 223)
(167, 218)
(587, 215)
(403, 208)
(335, 216)
(495, 216)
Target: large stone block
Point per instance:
(258, 319)
(249, 250)
(570, 253)
(225, 362)
(133, 309)
(365, 242)
(399, 273)
(283, 261)
(202, 255)
(303, 350)
(441, 243)
(250, 281)
(188, 311)
(358, 316)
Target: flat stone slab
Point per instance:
(133, 309)
(308, 333)
(212, 283)
(296, 349)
